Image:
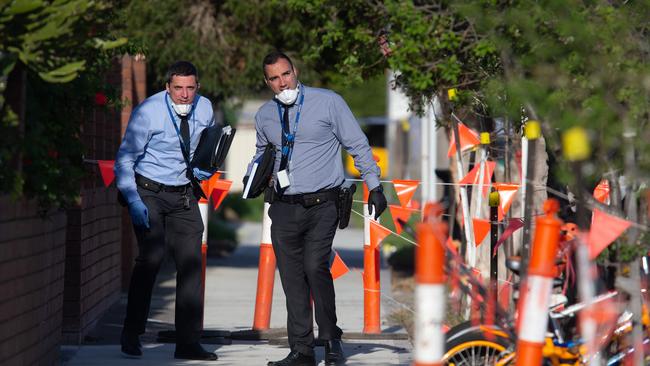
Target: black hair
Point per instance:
(272, 58)
(181, 68)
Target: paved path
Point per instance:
(230, 302)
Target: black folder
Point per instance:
(213, 147)
(261, 173)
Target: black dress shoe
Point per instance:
(131, 346)
(334, 353)
(193, 351)
(295, 358)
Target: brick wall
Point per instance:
(93, 261)
(32, 253)
(61, 270)
(100, 243)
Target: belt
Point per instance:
(310, 199)
(154, 186)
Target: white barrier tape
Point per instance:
(367, 235)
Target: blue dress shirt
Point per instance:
(326, 123)
(151, 146)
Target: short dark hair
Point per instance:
(272, 58)
(181, 68)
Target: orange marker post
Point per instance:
(371, 285)
(430, 289)
(537, 288)
(265, 276)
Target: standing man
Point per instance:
(153, 178)
(308, 126)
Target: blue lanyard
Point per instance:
(289, 137)
(171, 116)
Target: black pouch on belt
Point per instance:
(346, 196)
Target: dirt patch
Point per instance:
(403, 291)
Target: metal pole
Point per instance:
(576, 149)
(532, 131)
(494, 237)
(469, 237)
(426, 174)
(432, 194)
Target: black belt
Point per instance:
(310, 199)
(154, 186)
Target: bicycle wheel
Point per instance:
(475, 348)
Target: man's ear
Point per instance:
(167, 87)
(295, 71)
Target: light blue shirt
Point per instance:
(151, 146)
(326, 123)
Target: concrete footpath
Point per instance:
(229, 306)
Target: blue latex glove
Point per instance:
(139, 213)
(201, 174)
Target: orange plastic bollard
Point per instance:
(430, 288)
(265, 276)
(536, 292)
(371, 284)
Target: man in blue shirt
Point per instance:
(308, 126)
(153, 178)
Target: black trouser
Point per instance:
(172, 224)
(302, 241)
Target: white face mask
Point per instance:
(288, 96)
(182, 109)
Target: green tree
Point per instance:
(47, 45)
(566, 63)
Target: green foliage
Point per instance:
(226, 40)
(572, 63)
(366, 99)
(47, 45)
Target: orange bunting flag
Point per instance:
(106, 170)
(507, 192)
(377, 234)
(338, 267)
(208, 185)
(414, 204)
(468, 139)
(504, 293)
(401, 213)
(604, 230)
(601, 192)
(220, 190)
(451, 245)
(481, 229)
(473, 175)
(405, 190)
